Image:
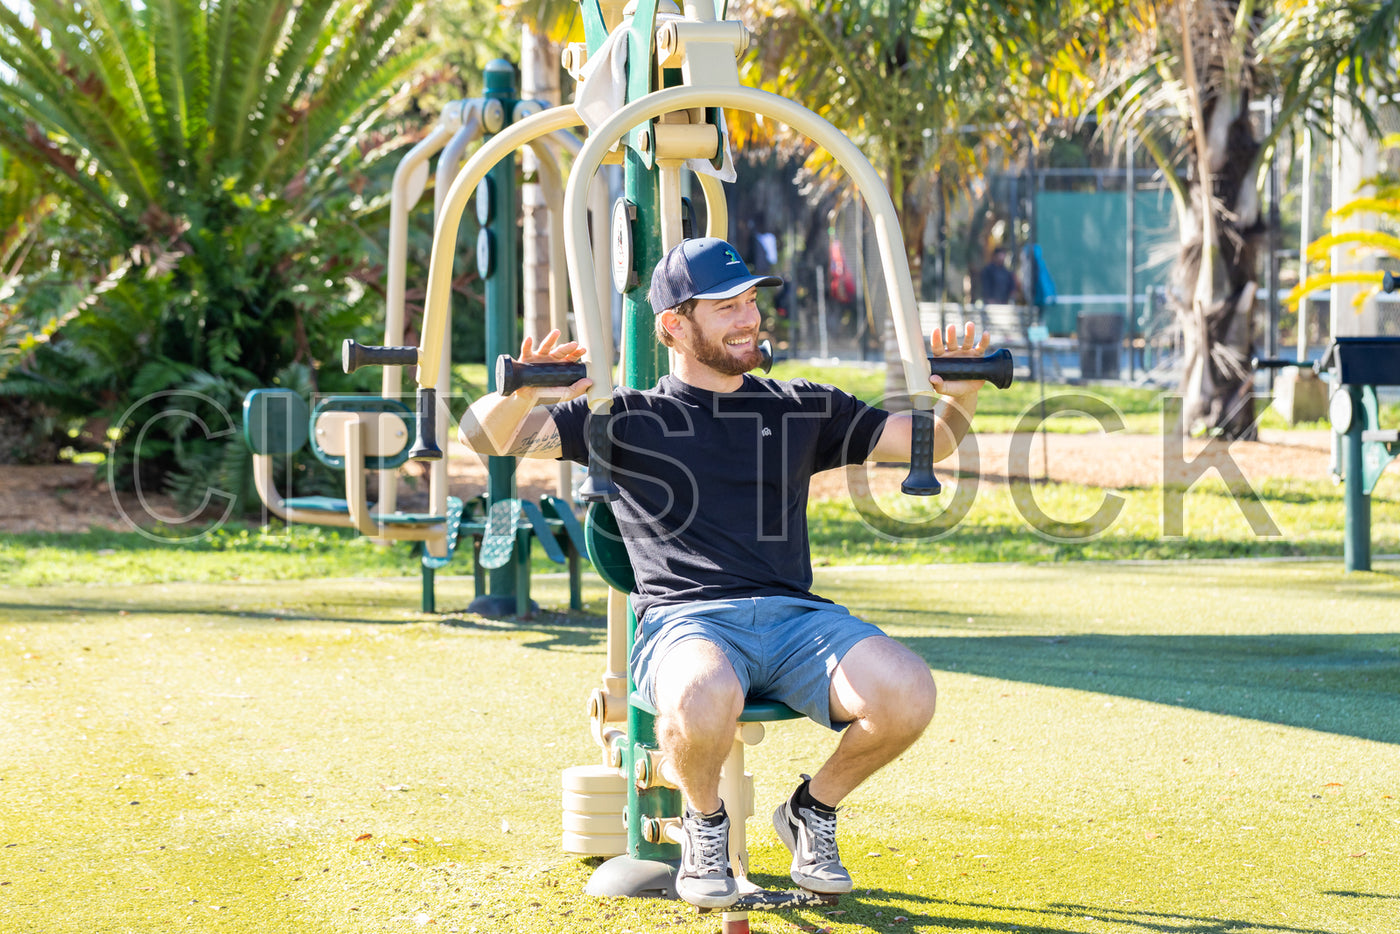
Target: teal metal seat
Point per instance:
(756, 709)
(318, 504)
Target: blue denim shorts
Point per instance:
(782, 648)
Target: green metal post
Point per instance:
(1356, 547)
(429, 599)
(642, 367)
(498, 263)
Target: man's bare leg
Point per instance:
(698, 701)
(887, 693)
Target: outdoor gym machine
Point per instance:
(1357, 368)
(654, 134)
(357, 433)
(360, 433)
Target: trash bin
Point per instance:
(1100, 344)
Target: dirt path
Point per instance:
(72, 497)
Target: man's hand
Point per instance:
(514, 425)
(950, 346)
(551, 351)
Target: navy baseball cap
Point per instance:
(706, 267)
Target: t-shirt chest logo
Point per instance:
(767, 432)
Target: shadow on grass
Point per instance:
(1344, 684)
(555, 630)
(64, 613)
(943, 915)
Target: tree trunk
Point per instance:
(1215, 276)
(539, 80)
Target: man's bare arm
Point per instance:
(952, 417)
(952, 413)
(507, 426)
(515, 425)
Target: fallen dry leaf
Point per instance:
(363, 836)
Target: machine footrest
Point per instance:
(765, 900)
(318, 504)
(406, 518)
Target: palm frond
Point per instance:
(1371, 240)
(180, 69)
(1327, 280)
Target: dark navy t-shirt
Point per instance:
(714, 485)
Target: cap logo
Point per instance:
(734, 259)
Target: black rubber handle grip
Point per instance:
(354, 355)
(921, 481)
(511, 375)
(598, 486)
(996, 367)
(425, 447)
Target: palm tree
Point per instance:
(902, 79)
(1182, 76)
(205, 162)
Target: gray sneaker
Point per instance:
(810, 836)
(705, 879)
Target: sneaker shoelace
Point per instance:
(822, 828)
(710, 847)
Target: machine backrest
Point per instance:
(390, 434)
(274, 421)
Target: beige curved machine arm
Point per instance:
(582, 274)
(266, 485)
(450, 162)
(410, 178)
(438, 307)
(598, 208)
(716, 206)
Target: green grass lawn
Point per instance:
(1120, 749)
(1019, 522)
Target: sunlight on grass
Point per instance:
(1112, 754)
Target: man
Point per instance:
(998, 283)
(713, 466)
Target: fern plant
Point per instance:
(188, 200)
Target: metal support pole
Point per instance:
(1130, 204)
(641, 356)
(498, 263)
(1271, 244)
(1304, 238)
(1356, 547)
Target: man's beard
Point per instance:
(715, 354)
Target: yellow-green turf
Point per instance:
(1125, 748)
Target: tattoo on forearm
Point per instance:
(546, 439)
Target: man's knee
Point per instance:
(920, 696)
(887, 685)
(696, 682)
